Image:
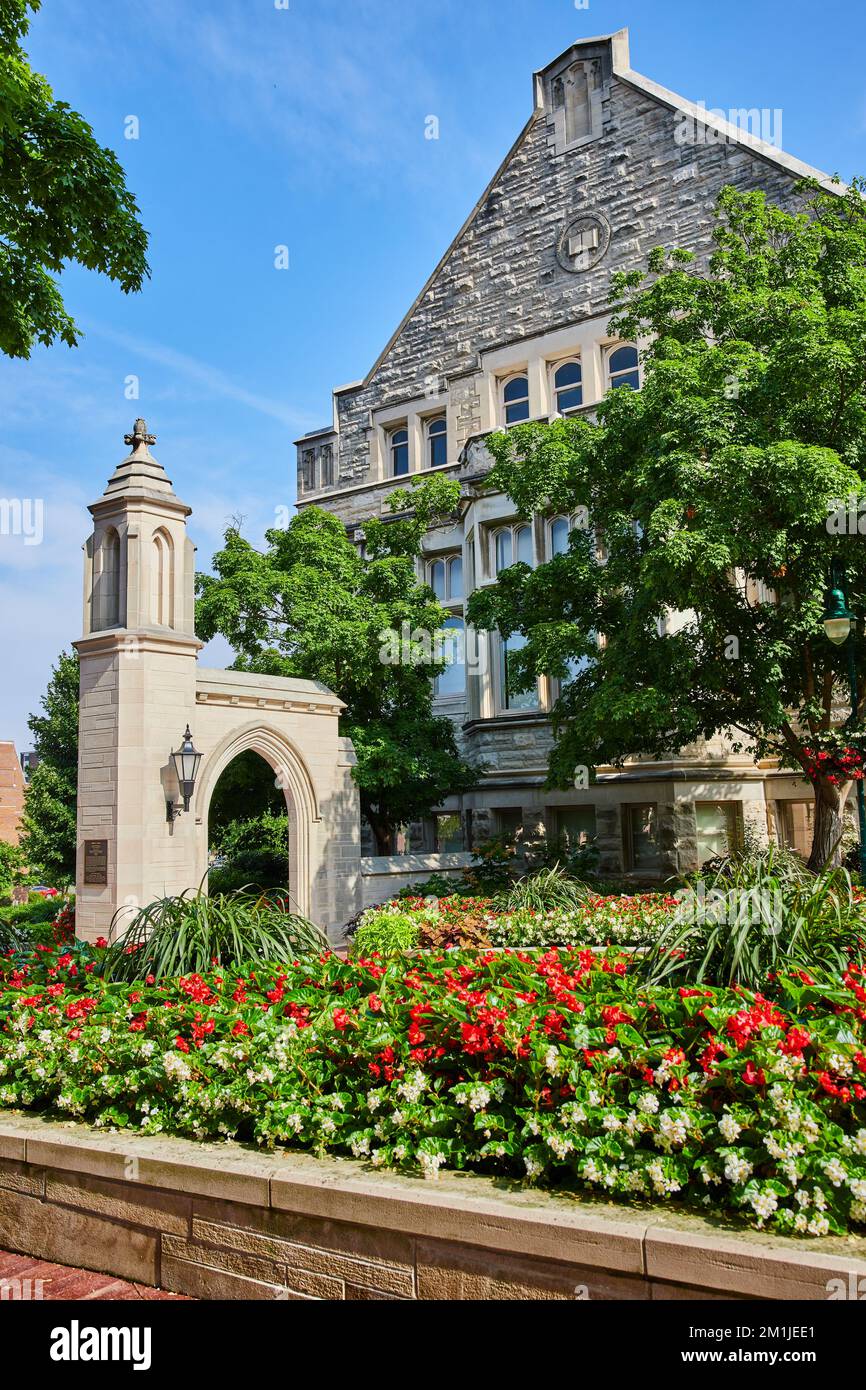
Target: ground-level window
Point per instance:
(796, 823)
(641, 837)
(719, 828)
(507, 821)
(575, 825)
(449, 832)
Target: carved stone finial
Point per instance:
(139, 435)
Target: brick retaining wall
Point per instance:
(221, 1221)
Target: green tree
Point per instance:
(709, 507)
(255, 852)
(245, 791)
(48, 829)
(11, 864)
(312, 606)
(63, 198)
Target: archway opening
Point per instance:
(248, 827)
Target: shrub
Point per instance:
(385, 930)
(35, 912)
(194, 932)
(565, 1069)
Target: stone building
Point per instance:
(513, 325)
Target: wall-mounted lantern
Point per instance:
(186, 761)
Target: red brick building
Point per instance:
(11, 792)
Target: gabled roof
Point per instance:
(621, 69)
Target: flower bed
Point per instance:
(622, 920)
(559, 1067)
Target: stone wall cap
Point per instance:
(469, 1208)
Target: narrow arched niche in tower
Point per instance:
(162, 579)
(106, 582)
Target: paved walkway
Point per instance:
(22, 1276)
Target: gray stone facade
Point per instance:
(608, 166)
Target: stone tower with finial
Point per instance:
(138, 680)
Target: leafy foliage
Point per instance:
(63, 198)
(255, 852)
(385, 930)
(561, 1068)
(48, 828)
(11, 865)
(194, 932)
(245, 791)
(706, 495)
(312, 606)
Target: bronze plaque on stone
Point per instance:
(96, 861)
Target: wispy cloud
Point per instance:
(217, 382)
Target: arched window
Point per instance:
(455, 577)
(622, 367)
(445, 578)
(452, 681)
(436, 579)
(559, 533)
(161, 580)
(399, 452)
(515, 400)
(437, 442)
(568, 387)
(512, 545)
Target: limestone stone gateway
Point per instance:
(141, 687)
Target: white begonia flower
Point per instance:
(552, 1060)
(737, 1170)
(729, 1129)
(764, 1204)
(413, 1086)
(648, 1103)
(835, 1172)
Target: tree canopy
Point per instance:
(311, 605)
(63, 198)
(710, 507)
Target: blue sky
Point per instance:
(262, 126)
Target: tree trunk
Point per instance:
(827, 835)
(382, 830)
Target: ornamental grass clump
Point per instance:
(755, 918)
(195, 932)
(561, 1068)
(544, 890)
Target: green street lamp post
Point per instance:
(839, 624)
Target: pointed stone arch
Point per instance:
(293, 777)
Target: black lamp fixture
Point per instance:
(186, 761)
